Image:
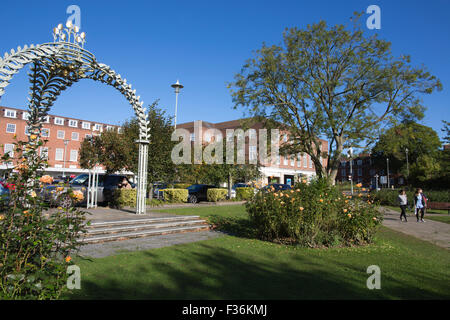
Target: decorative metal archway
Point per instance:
(55, 67)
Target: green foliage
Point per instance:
(120, 151)
(176, 195)
(313, 215)
(325, 82)
(124, 198)
(246, 193)
(216, 194)
(423, 146)
(35, 243)
(390, 197)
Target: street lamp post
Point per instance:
(177, 86)
(407, 164)
(66, 142)
(387, 161)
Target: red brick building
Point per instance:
(58, 130)
(284, 169)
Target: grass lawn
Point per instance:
(436, 215)
(241, 267)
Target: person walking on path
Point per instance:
(419, 204)
(403, 202)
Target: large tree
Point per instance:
(419, 142)
(334, 83)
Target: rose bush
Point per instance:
(35, 242)
(313, 215)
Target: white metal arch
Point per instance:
(70, 62)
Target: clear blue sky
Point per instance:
(204, 43)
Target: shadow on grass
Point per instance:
(211, 272)
(235, 226)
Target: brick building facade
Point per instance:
(58, 130)
(284, 169)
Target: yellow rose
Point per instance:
(301, 208)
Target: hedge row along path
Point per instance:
(435, 232)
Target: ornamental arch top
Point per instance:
(59, 64)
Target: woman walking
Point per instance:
(403, 201)
(419, 204)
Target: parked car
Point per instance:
(198, 192)
(106, 186)
(277, 187)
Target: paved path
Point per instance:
(432, 231)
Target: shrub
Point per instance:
(124, 198)
(246, 193)
(181, 185)
(216, 194)
(175, 195)
(35, 243)
(313, 215)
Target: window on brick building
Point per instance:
(25, 116)
(292, 160)
(61, 134)
(9, 148)
(73, 123)
(310, 163)
(10, 128)
(98, 127)
(88, 136)
(285, 160)
(73, 155)
(45, 132)
(59, 121)
(86, 125)
(59, 154)
(10, 113)
(27, 130)
(75, 136)
(109, 128)
(299, 159)
(44, 153)
(305, 161)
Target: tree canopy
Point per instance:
(334, 83)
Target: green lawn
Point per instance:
(436, 215)
(240, 267)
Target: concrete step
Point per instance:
(142, 233)
(107, 224)
(142, 226)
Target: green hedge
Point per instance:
(390, 197)
(181, 185)
(175, 195)
(245, 193)
(124, 198)
(216, 194)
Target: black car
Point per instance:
(197, 192)
(277, 187)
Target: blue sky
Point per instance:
(203, 44)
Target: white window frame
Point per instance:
(73, 152)
(292, 160)
(10, 113)
(285, 160)
(299, 160)
(11, 124)
(86, 125)
(73, 123)
(310, 163)
(57, 151)
(44, 150)
(57, 120)
(25, 116)
(48, 133)
(305, 160)
(9, 146)
(77, 135)
(119, 130)
(63, 134)
(98, 127)
(109, 128)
